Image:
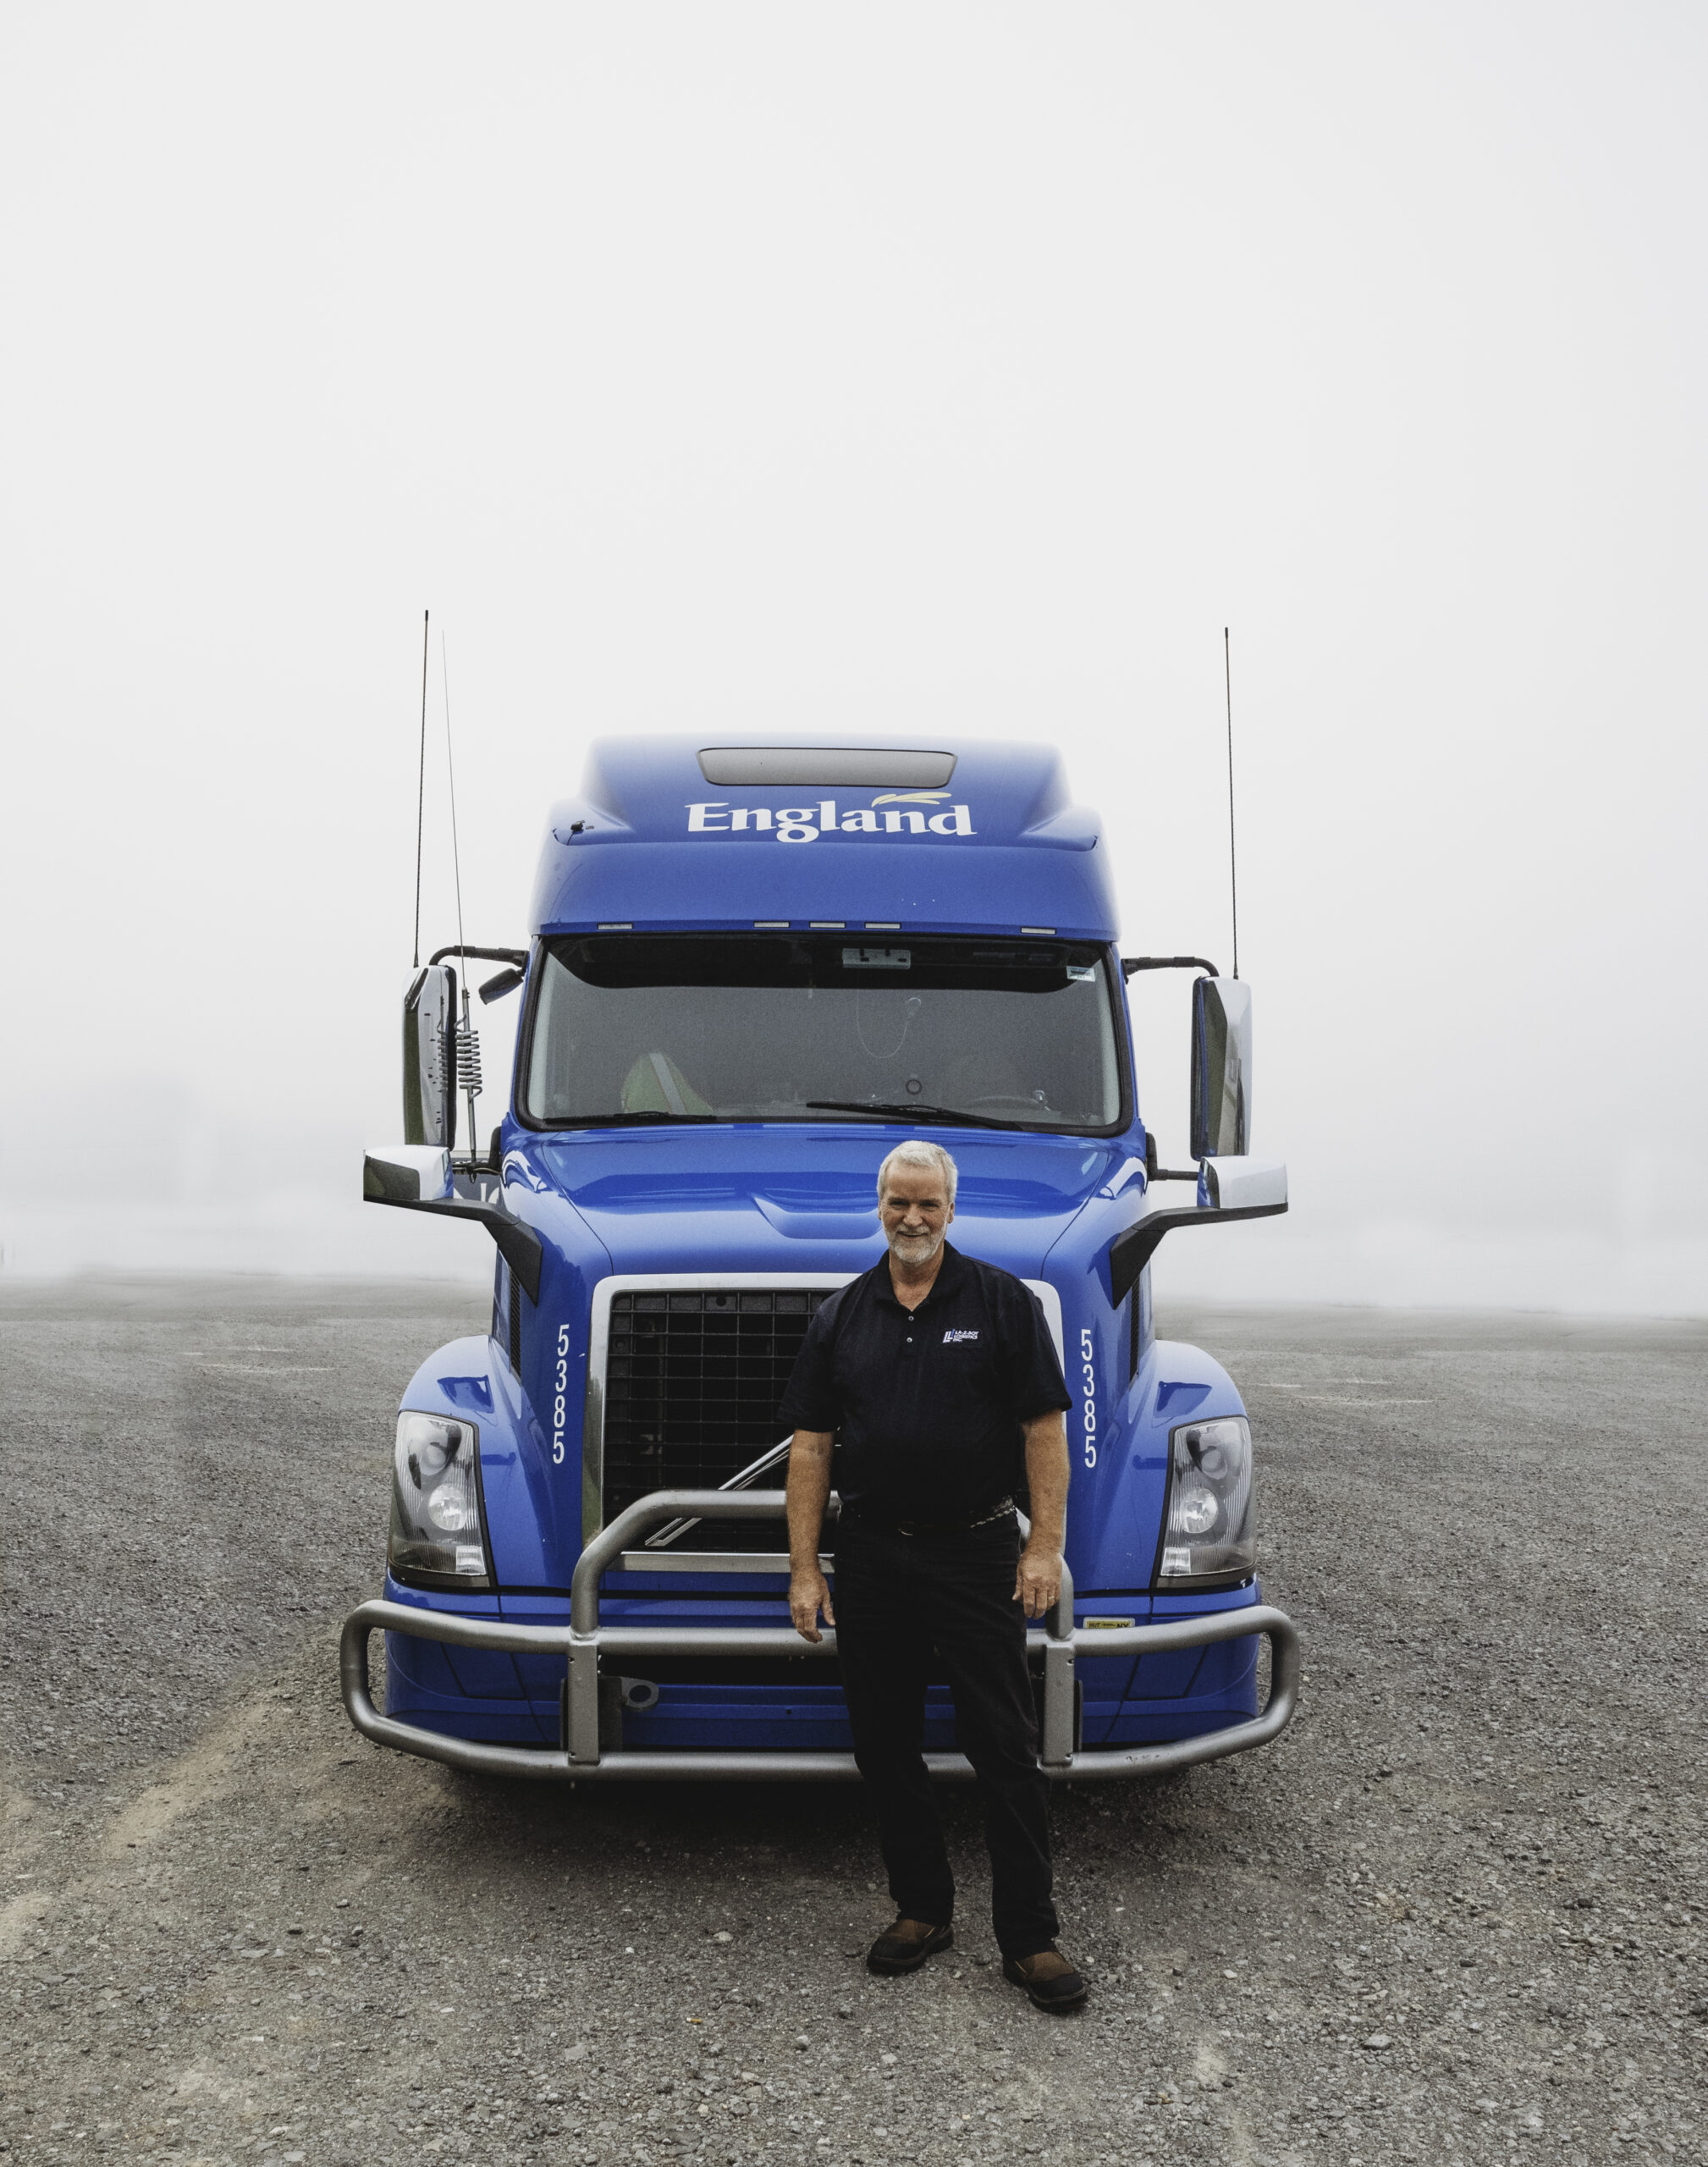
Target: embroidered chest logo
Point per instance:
(954, 1339)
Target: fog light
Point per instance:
(447, 1508)
(1195, 1511)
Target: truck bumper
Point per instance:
(586, 1649)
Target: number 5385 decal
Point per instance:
(1087, 1388)
(560, 1382)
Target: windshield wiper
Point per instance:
(911, 1108)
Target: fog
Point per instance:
(926, 369)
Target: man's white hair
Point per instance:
(917, 1152)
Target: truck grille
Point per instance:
(693, 1381)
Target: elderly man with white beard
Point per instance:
(933, 1380)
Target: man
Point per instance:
(935, 1377)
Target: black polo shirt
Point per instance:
(927, 1407)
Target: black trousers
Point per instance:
(912, 1607)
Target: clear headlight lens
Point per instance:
(436, 1533)
(1211, 1532)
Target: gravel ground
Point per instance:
(1452, 1916)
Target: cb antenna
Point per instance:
(1233, 865)
(421, 788)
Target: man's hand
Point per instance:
(1037, 1581)
(809, 1593)
(809, 1489)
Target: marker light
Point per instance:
(1210, 1531)
(437, 1539)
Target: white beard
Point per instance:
(915, 1248)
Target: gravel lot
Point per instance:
(1454, 1915)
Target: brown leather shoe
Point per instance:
(904, 1946)
(1050, 1982)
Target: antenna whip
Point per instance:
(468, 1038)
(1232, 868)
(421, 788)
(451, 776)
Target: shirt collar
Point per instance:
(949, 1274)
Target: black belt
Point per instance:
(863, 1516)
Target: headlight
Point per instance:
(436, 1532)
(1210, 1533)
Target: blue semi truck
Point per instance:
(753, 969)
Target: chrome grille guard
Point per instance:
(581, 1643)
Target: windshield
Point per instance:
(770, 1026)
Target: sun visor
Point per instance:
(1004, 888)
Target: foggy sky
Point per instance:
(934, 369)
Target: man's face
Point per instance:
(916, 1211)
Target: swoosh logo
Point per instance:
(911, 797)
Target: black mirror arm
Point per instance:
(519, 1245)
(1129, 964)
(518, 957)
(1129, 1253)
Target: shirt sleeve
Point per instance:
(810, 1401)
(1039, 1387)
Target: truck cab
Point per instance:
(753, 970)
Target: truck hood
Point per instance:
(798, 1198)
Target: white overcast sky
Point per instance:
(927, 367)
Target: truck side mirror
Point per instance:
(430, 1057)
(1220, 1068)
(407, 1173)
